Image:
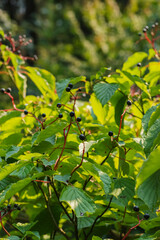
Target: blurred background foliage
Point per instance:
(78, 37)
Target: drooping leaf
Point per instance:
(147, 116)
(44, 81)
(78, 200)
(6, 170)
(150, 166)
(105, 91)
(124, 190)
(151, 136)
(149, 190)
(99, 111)
(84, 222)
(134, 59)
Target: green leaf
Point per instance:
(146, 117)
(136, 80)
(13, 238)
(124, 190)
(134, 59)
(18, 186)
(155, 115)
(44, 81)
(123, 165)
(78, 200)
(23, 227)
(105, 91)
(119, 108)
(150, 166)
(99, 111)
(11, 151)
(151, 136)
(84, 222)
(105, 180)
(64, 178)
(48, 133)
(149, 190)
(96, 238)
(6, 170)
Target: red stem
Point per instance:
(120, 125)
(5, 229)
(75, 169)
(65, 140)
(132, 228)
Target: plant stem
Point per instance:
(98, 217)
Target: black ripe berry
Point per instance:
(15, 205)
(59, 105)
(138, 64)
(146, 216)
(78, 119)
(82, 137)
(136, 208)
(70, 85)
(79, 90)
(18, 208)
(8, 206)
(68, 89)
(110, 133)
(60, 115)
(146, 27)
(71, 114)
(129, 103)
(2, 90)
(139, 34)
(8, 90)
(43, 115)
(25, 112)
(144, 30)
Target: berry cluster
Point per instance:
(15, 46)
(136, 209)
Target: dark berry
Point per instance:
(43, 115)
(79, 90)
(18, 208)
(2, 90)
(68, 89)
(146, 27)
(8, 90)
(144, 30)
(129, 103)
(78, 119)
(25, 112)
(72, 114)
(136, 208)
(82, 137)
(9, 206)
(138, 64)
(19, 51)
(146, 216)
(60, 115)
(59, 105)
(15, 205)
(139, 34)
(156, 23)
(110, 133)
(114, 178)
(70, 85)
(153, 25)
